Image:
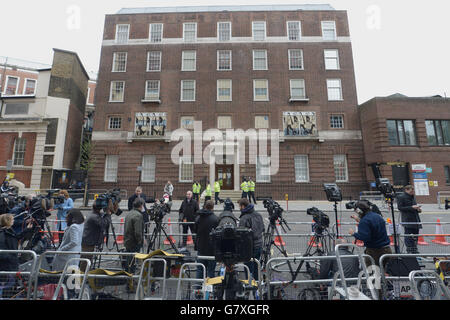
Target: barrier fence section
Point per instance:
(281, 284)
(402, 287)
(107, 281)
(441, 197)
(16, 274)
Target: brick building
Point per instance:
(403, 132)
(287, 68)
(41, 131)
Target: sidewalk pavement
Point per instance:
(287, 206)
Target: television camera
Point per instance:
(159, 209)
(110, 201)
(321, 220)
(385, 187)
(373, 207)
(232, 245)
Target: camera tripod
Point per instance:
(232, 287)
(156, 235)
(269, 241)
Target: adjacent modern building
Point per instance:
(410, 139)
(41, 119)
(287, 68)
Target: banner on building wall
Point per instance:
(299, 124)
(152, 124)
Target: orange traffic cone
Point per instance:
(421, 241)
(167, 241)
(189, 242)
(120, 233)
(278, 239)
(440, 236)
(55, 233)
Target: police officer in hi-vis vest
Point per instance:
(208, 192)
(196, 188)
(251, 190)
(216, 191)
(244, 188)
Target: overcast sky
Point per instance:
(398, 45)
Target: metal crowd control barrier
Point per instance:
(144, 288)
(385, 278)
(441, 197)
(69, 263)
(13, 280)
(435, 280)
(362, 263)
(269, 283)
(189, 280)
(97, 281)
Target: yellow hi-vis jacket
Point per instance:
(244, 186)
(196, 188)
(251, 186)
(208, 191)
(217, 186)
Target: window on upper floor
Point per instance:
(331, 59)
(329, 30)
(224, 60)
(122, 33)
(224, 31)
(156, 32)
(438, 132)
(190, 31)
(119, 62)
(294, 30)
(259, 30)
(401, 132)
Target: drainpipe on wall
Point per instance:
(2, 87)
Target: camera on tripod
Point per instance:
(385, 187)
(321, 220)
(231, 244)
(333, 192)
(159, 210)
(274, 209)
(109, 200)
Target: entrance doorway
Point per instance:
(400, 176)
(226, 173)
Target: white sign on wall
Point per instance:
(421, 187)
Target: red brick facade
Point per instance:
(374, 115)
(242, 108)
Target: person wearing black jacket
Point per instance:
(371, 230)
(252, 220)
(95, 230)
(205, 222)
(407, 205)
(188, 213)
(9, 240)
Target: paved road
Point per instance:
(300, 223)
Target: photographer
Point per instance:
(188, 211)
(63, 209)
(134, 232)
(18, 211)
(252, 220)
(95, 230)
(409, 209)
(371, 230)
(204, 224)
(138, 194)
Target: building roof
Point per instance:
(23, 64)
(402, 96)
(186, 9)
